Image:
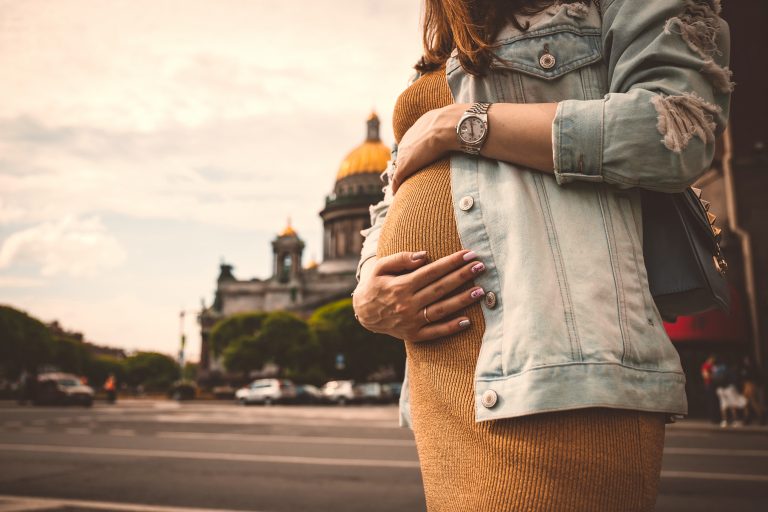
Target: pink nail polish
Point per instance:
(479, 267)
(479, 292)
(469, 256)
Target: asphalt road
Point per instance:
(170, 457)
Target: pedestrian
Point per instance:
(710, 394)
(507, 250)
(732, 402)
(110, 386)
(752, 389)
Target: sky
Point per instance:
(144, 142)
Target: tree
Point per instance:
(229, 329)
(99, 368)
(338, 332)
(25, 342)
(153, 370)
(283, 339)
(69, 354)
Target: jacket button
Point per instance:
(490, 299)
(466, 202)
(547, 61)
(489, 398)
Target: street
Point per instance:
(142, 455)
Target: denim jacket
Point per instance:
(642, 89)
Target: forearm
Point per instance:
(519, 133)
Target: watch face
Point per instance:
(472, 130)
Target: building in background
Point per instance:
(298, 288)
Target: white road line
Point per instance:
(287, 439)
(78, 430)
(724, 452)
(125, 432)
(699, 475)
(47, 503)
(234, 457)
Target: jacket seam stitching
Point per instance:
(581, 363)
(562, 284)
(617, 281)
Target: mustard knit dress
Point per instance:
(593, 459)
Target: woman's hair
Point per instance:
(471, 26)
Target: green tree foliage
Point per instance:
(233, 327)
(25, 342)
(283, 338)
(338, 332)
(153, 370)
(70, 354)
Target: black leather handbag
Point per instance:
(681, 246)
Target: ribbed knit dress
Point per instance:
(593, 459)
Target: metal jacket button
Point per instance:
(489, 398)
(490, 299)
(466, 203)
(547, 61)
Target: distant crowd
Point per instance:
(734, 392)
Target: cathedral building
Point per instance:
(302, 289)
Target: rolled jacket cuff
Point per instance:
(577, 141)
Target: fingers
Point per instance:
(397, 263)
(440, 288)
(444, 308)
(427, 274)
(440, 329)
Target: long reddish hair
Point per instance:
(470, 26)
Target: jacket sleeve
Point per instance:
(378, 213)
(668, 97)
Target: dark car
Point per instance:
(62, 389)
(308, 394)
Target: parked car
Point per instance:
(62, 389)
(368, 393)
(391, 391)
(224, 392)
(339, 391)
(266, 391)
(183, 390)
(308, 394)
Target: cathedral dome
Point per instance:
(369, 157)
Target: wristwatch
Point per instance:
(472, 129)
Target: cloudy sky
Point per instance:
(142, 142)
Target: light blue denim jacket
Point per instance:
(642, 92)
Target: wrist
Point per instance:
(449, 118)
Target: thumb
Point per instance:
(400, 261)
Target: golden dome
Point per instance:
(288, 230)
(311, 264)
(369, 157)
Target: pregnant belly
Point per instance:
(421, 216)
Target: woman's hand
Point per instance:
(427, 140)
(391, 300)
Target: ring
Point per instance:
(425, 316)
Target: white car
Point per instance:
(339, 391)
(266, 391)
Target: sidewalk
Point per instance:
(704, 425)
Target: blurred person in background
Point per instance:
(110, 386)
(710, 393)
(752, 389)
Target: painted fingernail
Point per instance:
(479, 267)
(479, 292)
(464, 323)
(418, 255)
(469, 256)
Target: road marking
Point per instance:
(287, 439)
(78, 430)
(126, 432)
(34, 503)
(716, 451)
(234, 457)
(698, 475)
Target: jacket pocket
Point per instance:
(549, 65)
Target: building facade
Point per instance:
(292, 286)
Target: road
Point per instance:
(171, 457)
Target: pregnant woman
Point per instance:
(507, 253)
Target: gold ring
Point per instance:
(425, 316)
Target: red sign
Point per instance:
(714, 325)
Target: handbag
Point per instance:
(681, 247)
